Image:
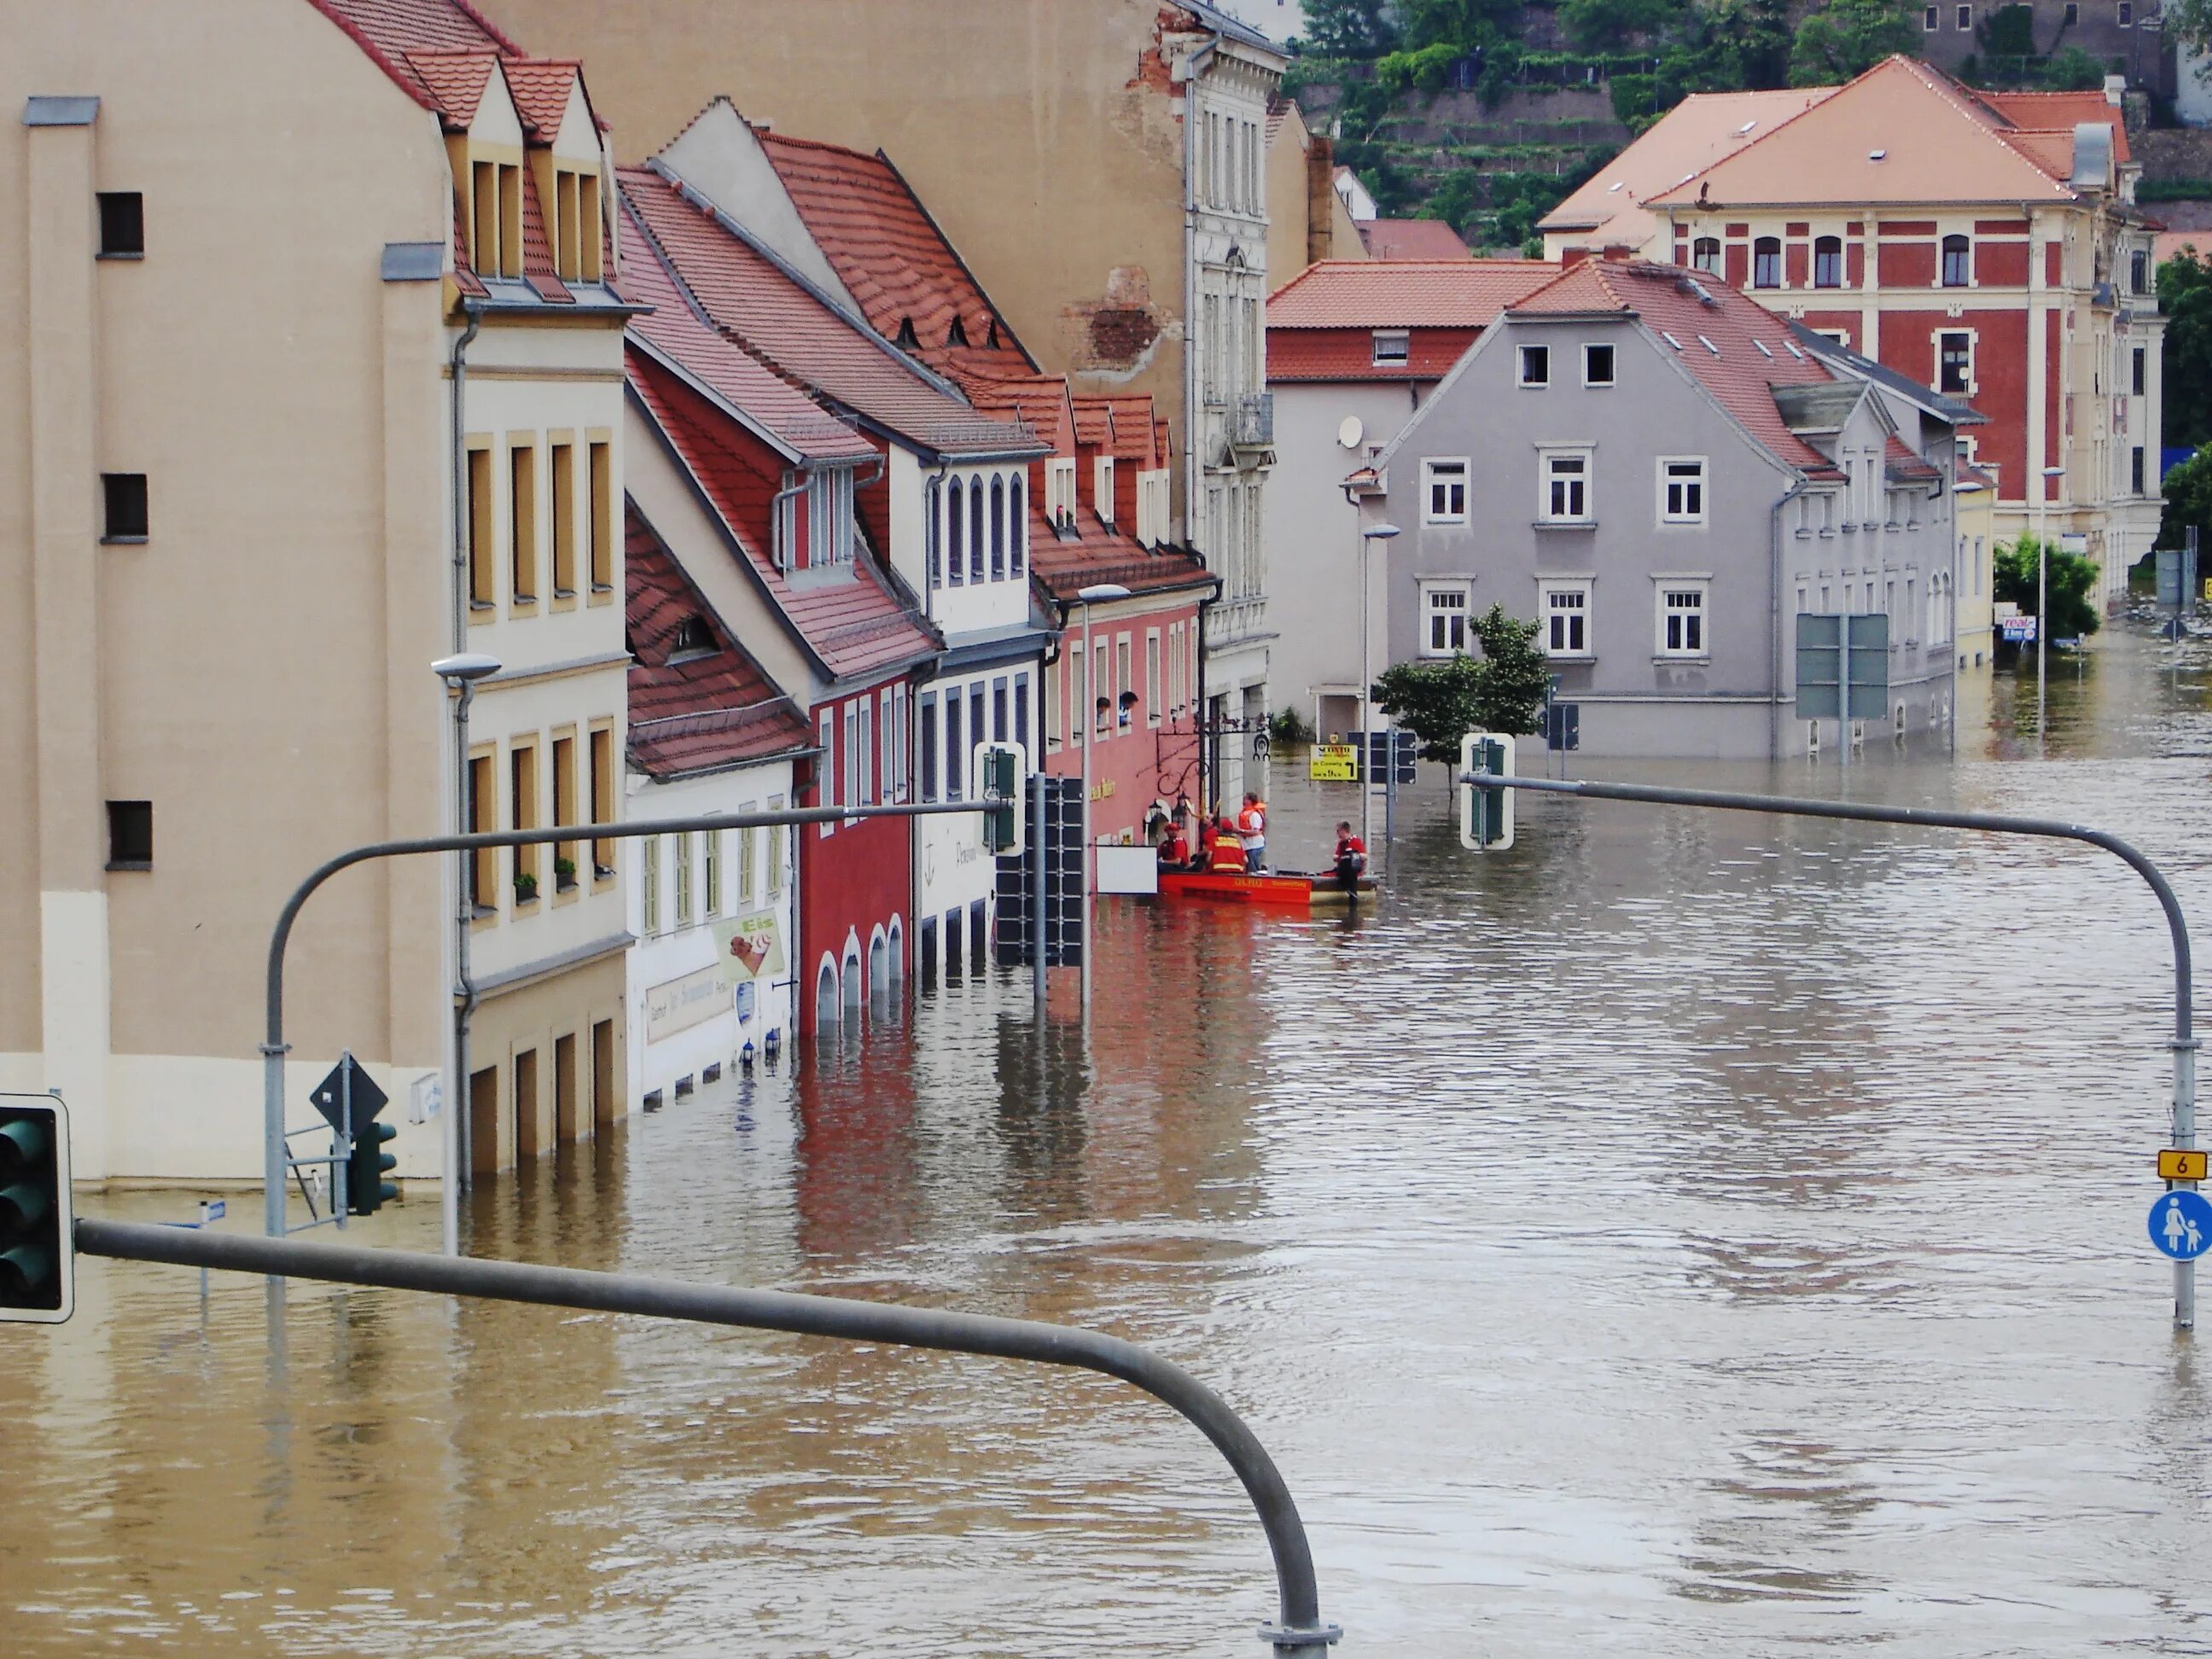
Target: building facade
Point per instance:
(1663, 475)
(196, 439)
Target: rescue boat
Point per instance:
(1288, 889)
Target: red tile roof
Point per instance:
(700, 710)
(1404, 293)
(889, 254)
(540, 88)
(1098, 553)
(757, 302)
(456, 79)
(390, 30)
(789, 416)
(2060, 111)
(1411, 239)
(855, 627)
(1750, 349)
(1135, 440)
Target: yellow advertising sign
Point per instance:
(748, 947)
(1333, 763)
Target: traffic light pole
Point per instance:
(275, 1165)
(1298, 1632)
(2184, 1043)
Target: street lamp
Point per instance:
(460, 673)
(2042, 585)
(1369, 535)
(1098, 593)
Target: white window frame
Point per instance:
(1463, 612)
(1521, 361)
(1102, 488)
(1439, 469)
(1393, 348)
(1667, 482)
(1577, 587)
(1973, 358)
(1547, 456)
(1664, 587)
(1612, 378)
(1060, 489)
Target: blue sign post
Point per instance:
(2181, 1224)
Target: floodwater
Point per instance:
(1681, 1234)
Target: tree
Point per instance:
(1348, 28)
(2188, 23)
(2071, 579)
(1847, 38)
(2184, 294)
(1613, 24)
(1440, 700)
(2188, 502)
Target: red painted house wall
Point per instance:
(854, 880)
(1132, 766)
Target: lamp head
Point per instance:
(466, 668)
(1379, 533)
(1099, 591)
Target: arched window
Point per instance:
(997, 529)
(1956, 266)
(933, 533)
(1017, 525)
(825, 998)
(1828, 262)
(1705, 255)
(955, 505)
(1766, 262)
(855, 988)
(975, 530)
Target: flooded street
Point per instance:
(1682, 1233)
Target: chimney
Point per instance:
(1570, 257)
(2116, 89)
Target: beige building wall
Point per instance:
(258, 668)
(1307, 219)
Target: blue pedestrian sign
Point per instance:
(2181, 1224)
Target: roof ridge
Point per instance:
(420, 91)
(505, 40)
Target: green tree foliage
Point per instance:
(1440, 700)
(1847, 38)
(1613, 24)
(2008, 31)
(2184, 294)
(2188, 23)
(1461, 23)
(2188, 502)
(1425, 68)
(2071, 579)
(1348, 28)
(2072, 69)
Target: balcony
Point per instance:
(1251, 421)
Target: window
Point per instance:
(1705, 255)
(2138, 376)
(1021, 711)
(901, 777)
(590, 226)
(131, 835)
(929, 745)
(1597, 365)
(1954, 355)
(933, 533)
(484, 817)
(683, 881)
(1682, 490)
(777, 854)
(1827, 262)
(1536, 365)
(1966, 18)
(2135, 471)
(522, 522)
(1566, 619)
(603, 799)
(1566, 496)
(2070, 13)
(1930, 19)
(564, 811)
(955, 507)
(2126, 14)
(1681, 619)
(1078, 677)
(710, 873)
(510, 221)
(997, 530)
(483, 236)
(1121, 678)
(1444, 491)
(865, 752)
(976, 530)
(2139, 271)
(830, 516)
(649, 886)
(1102, 495)
(1444, 604)
(748, 867)
(123, 498)
(122, 224)
(955, 752)
(522, 814)
(561, 479)
(826, 768)
(482, 587)
(1393, 348)
(1060, 491)
(1017, 522)
(1956, 268)
(1766, 262)
(602, 527)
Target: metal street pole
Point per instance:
(1369, 535)
(1298, 1630)
(1088, 596)
(2184, 1042)
(1039, 888)
(2042, 591)
(461, 674)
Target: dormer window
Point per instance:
(1393, 348)
(829, 517)
(1102, 487)
(1060, 492)
(575, 229)
(906, 339)
(693, 639)
(496, 219)
(956, 335)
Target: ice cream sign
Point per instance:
(748, 947)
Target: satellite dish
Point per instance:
(1349, 432)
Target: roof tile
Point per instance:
(1404, 293)
(1411, 239)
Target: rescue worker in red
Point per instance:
(1252, 830)
(1174, 847)
(1227, 857)
(1351, 860)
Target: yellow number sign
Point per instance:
(1333, 763)
(2175, 1164)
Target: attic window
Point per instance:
(1670, 339)
(956, 335)
(1877, 155)
(1762, 351)
(905, 336)
(1791, 346)
(1392, 348)
(693, 639)
(1745, 128)
(1704, 295)
(1709, 345)
(1614, 185)
(991, 335)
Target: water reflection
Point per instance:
(1679, 1233)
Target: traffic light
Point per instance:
(1486, 815)
(999, 768)
(366, 1187)
(37, 1253)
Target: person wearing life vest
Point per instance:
(1351, 860)
(1228, 856)
(1174, 847)
(1252, 829)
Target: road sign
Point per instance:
(1333, 763)
(2181, 1224)
(367, 1098)
(1486, 815)
(1843, 667)
(1562, 727)
(2017, 631)
(2178, 1164)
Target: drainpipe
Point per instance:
(465, 1006)
(1193, 416)
(783, 558)
(1206, 602)
(1774, 617)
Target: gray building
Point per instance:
(1663, 475)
